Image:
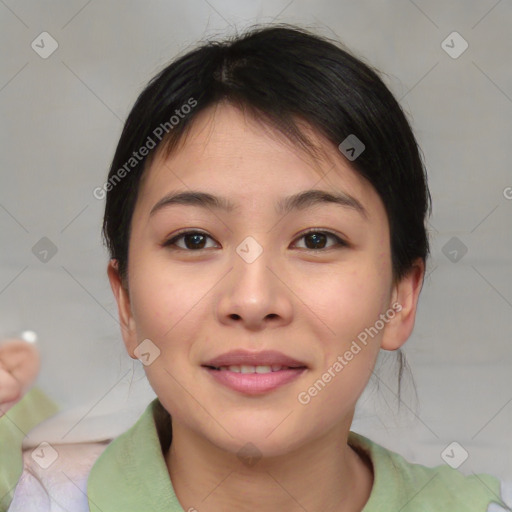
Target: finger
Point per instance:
(10, 388)
(21, 360)
(5, 406)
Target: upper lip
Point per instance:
(247, 358)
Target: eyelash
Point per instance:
(172, 241)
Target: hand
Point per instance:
(19, 367)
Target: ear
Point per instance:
(120, 291)
(405, 299)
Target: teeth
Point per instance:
(252, 369)
(263, 369)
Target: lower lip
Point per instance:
(255, 383)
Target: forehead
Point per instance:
(229, 153)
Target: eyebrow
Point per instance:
(299, 201)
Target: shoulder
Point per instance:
(411, 486)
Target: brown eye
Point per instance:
(193, 241)
(316, 240)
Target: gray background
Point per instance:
(61, 119)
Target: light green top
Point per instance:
(31, 410)
(131, 475)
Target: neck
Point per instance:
(326, 474)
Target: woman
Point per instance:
(265, 215)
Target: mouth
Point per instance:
(254, 373)
(253, 362)
(254, 380)
(260, 369)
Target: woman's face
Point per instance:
(253, 281)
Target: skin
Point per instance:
(308, 303)
(19, 366)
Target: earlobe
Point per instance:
(404, 301)
(126, 319)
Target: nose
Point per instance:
(254, 293)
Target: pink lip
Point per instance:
(255, 383)
(245, 357)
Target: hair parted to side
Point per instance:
(283, 75)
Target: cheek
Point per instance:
(353, 297)
(166, 301)
(153, 301)
(165, 307)
(346, 305)
(349, 303)
(150, 305)
(383, 259)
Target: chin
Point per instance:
(263, 438)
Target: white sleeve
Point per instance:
(60, 487)
(506, 496)
(30, 494)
